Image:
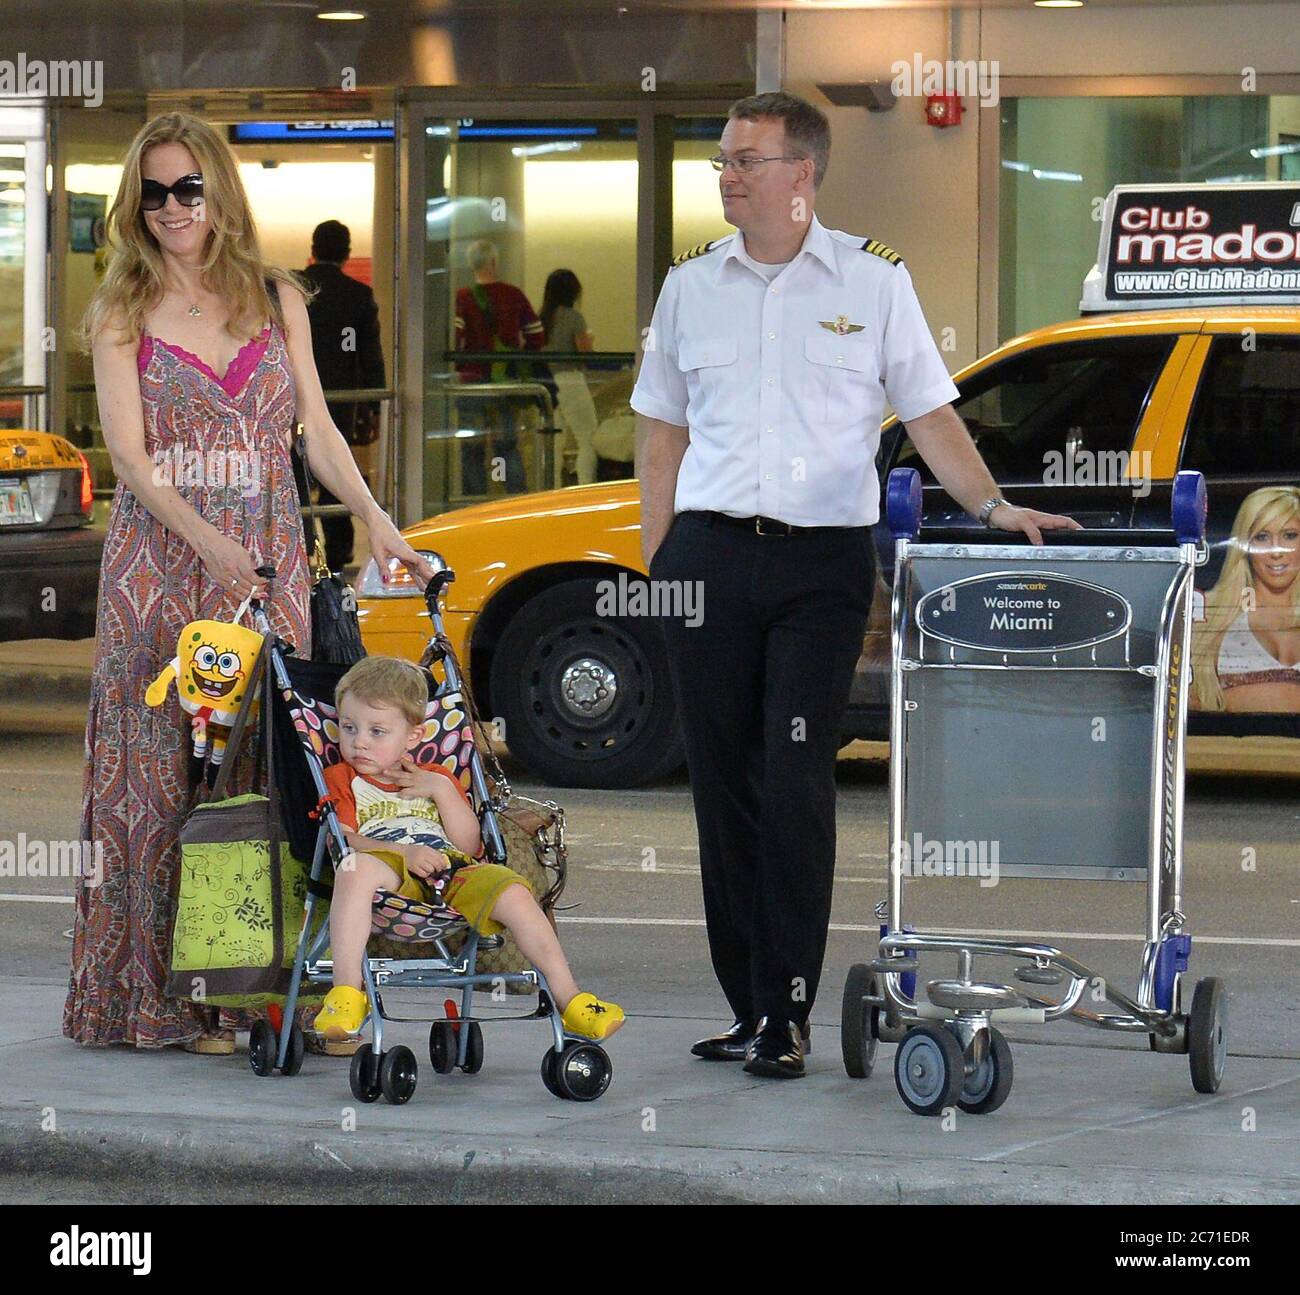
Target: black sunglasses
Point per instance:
(188, 190)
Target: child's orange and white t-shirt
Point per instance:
(384, 812)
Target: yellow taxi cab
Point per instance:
(49, 552)
(553, 618)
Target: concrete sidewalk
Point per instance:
(1086, 1122)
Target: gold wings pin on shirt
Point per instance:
(840, 325)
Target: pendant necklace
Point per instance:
(195, 312)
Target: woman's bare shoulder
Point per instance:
(115, 333)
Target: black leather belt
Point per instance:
(767, 525)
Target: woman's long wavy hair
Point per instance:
(232, 267)
(1226, 600)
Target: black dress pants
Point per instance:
(761, 683)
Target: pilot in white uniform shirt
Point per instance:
(781, 374)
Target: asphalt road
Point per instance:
(636, 925)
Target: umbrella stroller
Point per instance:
(299, 721)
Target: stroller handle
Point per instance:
(437, 586)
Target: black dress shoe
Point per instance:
(777, 1050)
(730, 1045)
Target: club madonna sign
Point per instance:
(1197, 244)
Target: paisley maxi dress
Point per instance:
(140, 775)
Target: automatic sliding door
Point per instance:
(511, 207)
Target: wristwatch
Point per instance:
(987, 511)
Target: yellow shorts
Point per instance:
(472, 891)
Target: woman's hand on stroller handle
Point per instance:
(388, 546)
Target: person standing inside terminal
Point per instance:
(345, 342)
(494, 316)
(769, 359)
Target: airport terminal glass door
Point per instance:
(546, 192)
(89, 145)
(22, 265)
(13, 273)
(531, 197)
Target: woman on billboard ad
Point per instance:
(1246, 639)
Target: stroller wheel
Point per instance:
(397, 1075)
(363, 1078)
(442, 1047)
(297, 1048)
(473, 1049)
(583, 1072)
(262, 1048)
(548, 1075)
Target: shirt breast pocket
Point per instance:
(841, 372)
(708, 363)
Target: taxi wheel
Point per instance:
(586, 698)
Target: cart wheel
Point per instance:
(1207, 1035)
(363, 1077)
(928, 1069)
(397, 1075)
(990, 1085)
(262, 1048)
(583, 1072)
(548, 1075)
(859, 1023)
(473, 1049)
(442, 1047)
(297, 1048)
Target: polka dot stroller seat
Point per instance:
(299, 723)
(448, 740)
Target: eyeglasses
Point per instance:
(745, 164)
(188, 190)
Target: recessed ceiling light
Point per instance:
(341, 15)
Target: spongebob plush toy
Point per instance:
(213, 664)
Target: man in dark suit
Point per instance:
(345, 340)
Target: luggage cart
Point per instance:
(1038, 717)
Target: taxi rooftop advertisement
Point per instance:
(1202, 244)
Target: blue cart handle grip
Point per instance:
(1188, 507)
(903, 503)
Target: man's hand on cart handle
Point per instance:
(1029, 521)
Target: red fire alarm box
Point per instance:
(943, 109)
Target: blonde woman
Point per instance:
(1246, 653)
(203, 363)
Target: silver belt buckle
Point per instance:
(759, 523)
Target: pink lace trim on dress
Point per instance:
(238, 372)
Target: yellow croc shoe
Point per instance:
(342, 1014)
(589, 1018)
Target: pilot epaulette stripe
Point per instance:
(882, 250)
(700, 250)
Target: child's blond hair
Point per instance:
(387, 681)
